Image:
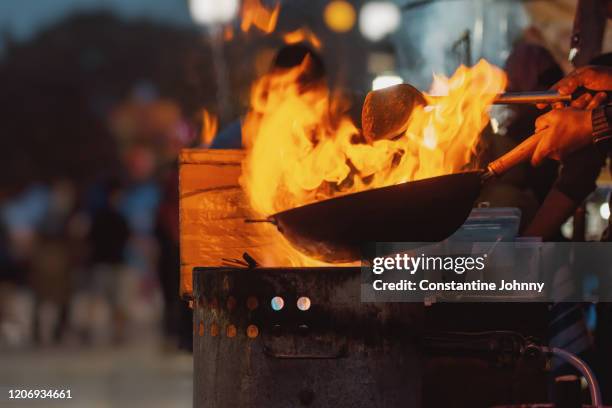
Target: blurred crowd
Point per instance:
(89, 254)
(89, 180)
(85, 264)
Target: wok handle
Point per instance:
(548, 97)
(514, 157)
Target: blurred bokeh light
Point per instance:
(339, 16)
(385, 81)
(377, 19)
(209, 12)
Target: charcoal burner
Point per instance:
(291, 337)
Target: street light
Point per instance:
(378, 18)
(385, 81)
(604, 211)
(339, 15)
(211, 12)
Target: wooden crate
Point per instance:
(213, 209)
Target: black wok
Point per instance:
(427, 210)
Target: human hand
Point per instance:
(561, 132)
(592, 77)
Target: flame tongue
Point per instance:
(302, 147)
(209, 128)
(254, 13)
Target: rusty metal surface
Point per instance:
(338, 353)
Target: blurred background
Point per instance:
(97, 98)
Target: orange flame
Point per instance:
(209, 128)
(302, 35)
(228, 33)
(302, 147)
(256, 14)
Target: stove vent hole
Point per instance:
(252, 331)
(303, 303)
(231, 303)
(252, 303)
(303, 329)
(277, 303)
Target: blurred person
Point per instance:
(22, 215)
(139, 204)
(108, 237)
(578, 137)
(51, 281)
(13, 328)
(9, 275)
(177, 317)
(560, 189)
(152, 129)
(51, 273)
(565, 131)
(577, 178)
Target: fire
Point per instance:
(254, 13)
(228, 33)
(302, 147)
(302, 35)
(280, 252)
(209, 128)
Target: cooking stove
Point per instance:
(289, 337)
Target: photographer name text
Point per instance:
(458, 265)
(477, 285)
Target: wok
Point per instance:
(427, 210)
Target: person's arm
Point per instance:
(591, 77)
(601, 121)
(556, 208)
(561, 132)
(576, 180)
(565, 130)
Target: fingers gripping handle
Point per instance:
(581, 90)
(514, 157)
